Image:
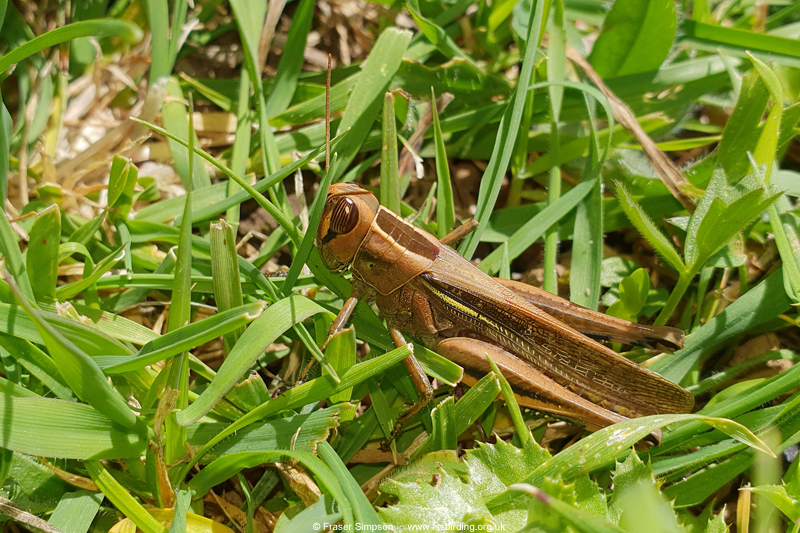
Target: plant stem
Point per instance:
(677, 293)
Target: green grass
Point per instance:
(147, 356)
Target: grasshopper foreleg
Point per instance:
(359, 292)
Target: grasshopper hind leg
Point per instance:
(532, 389)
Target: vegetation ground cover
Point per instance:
(162, 173)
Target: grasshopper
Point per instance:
(542, 344)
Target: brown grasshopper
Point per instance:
(425, 288)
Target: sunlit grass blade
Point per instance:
(79, 370)
(760, 304)
(275, 320)
(43, 258)
(363, 512)
(445, 210)
(5, 139)
(308, 392)
(507, 135)
(38, 363)
(436, 34)
(175, 114)
(365, 101)
(270, 207)
(14, 321)
(579, 520)
(73, 289)
(315, 215)
(291, 63)
(225, 467)
(12, 256)
(225, 272)
(648, 229)
(301, 432)
(739, 40)
(603, 446)
(180, 309)
(555, 72)
(98, 28)
(57, 428)
(532, 230)
(183, 339)
(341, 354)
(513, 407)
(390, 183)
(123, 501)
(241, 145)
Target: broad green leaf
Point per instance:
(579, 520)
(633, 292)
(447, 502)
(780, 498)
(722, 222)
(365, 101)
(721, 213)
(460, 488)
(742, 131)
(76, 511)
(637, 36)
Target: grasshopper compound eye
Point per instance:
(344, 216)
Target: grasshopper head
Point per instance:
(348, 215)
